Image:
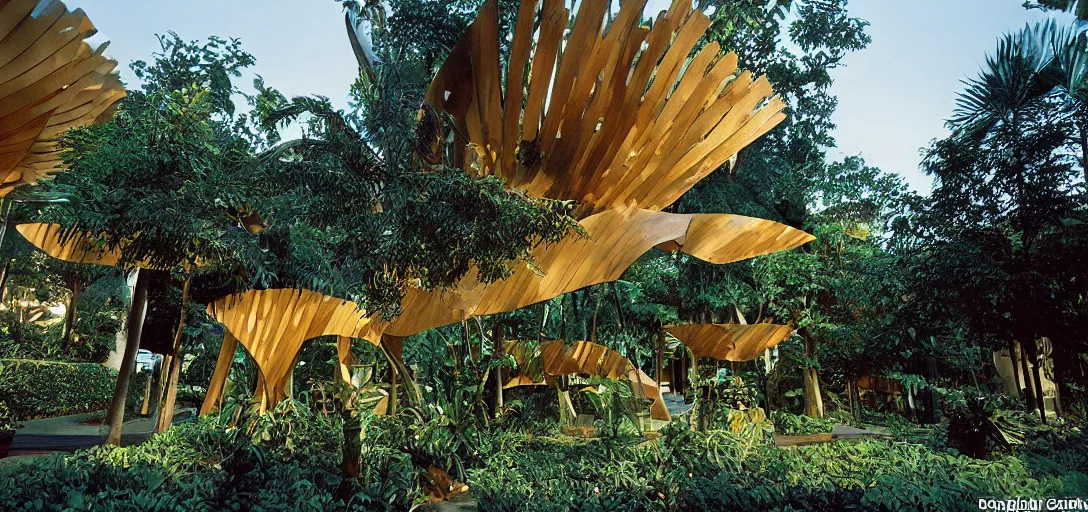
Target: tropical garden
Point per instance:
(551, 257)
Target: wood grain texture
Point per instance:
(615, 239)
(628, 116)
(273, 324)
(222, 372)
(78, 247)
(554, 358)
(51, 80)
(730, 342)
(69, 246)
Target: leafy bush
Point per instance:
(39, 389)
(288, 460)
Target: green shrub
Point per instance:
(39, 389)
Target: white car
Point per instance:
(146, 361)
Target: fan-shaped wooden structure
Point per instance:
(730, 342)
(273, 324)
(632, 118)
(631, 123)
(583, 358)
(51, 80)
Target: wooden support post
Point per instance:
(137, 311)
(222, 371)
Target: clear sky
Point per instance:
(893, 96)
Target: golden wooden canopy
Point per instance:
(51, 80)
(616, 238)
(77, 247)
(585, 358)
(71, 247)
(730, 342)
(632, 118)
(273, 324)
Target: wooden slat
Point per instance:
(584, 358)
(616, 238)
(273, 324)
(730, 342)
(623, 125)
(219, 376)
(48, 69)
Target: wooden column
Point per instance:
(222, 371)
(137, 311)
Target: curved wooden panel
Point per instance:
(730, 342)
(632, 117)
(82, 248)
(273, 324)
(585, 358)
(615, 239)
(73, 248)
(51, 80)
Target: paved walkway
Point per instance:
(69, 433)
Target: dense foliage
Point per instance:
(287, 461)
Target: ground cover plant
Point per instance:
(288, 460)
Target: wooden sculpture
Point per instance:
(632, 117)
(51, 80)
(730, 342)
(616, 238)
(57, 242)
(273, 324)
(632, 123)
(583, 358)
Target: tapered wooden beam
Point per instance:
(222, 372)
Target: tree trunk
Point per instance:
(1015, 369)
(222, 371)
(4, 279)
(144, 404)
(158, 384)
(1040, 401)
(814, 401)
(70, 313)
(137, 311)
(854, 395)
(661, 358)
(1029, 387)
(166, 417)
(499, 339)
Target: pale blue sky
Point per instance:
(893, 96)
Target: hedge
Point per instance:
(44, 389)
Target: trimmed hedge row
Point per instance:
(44, 389)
